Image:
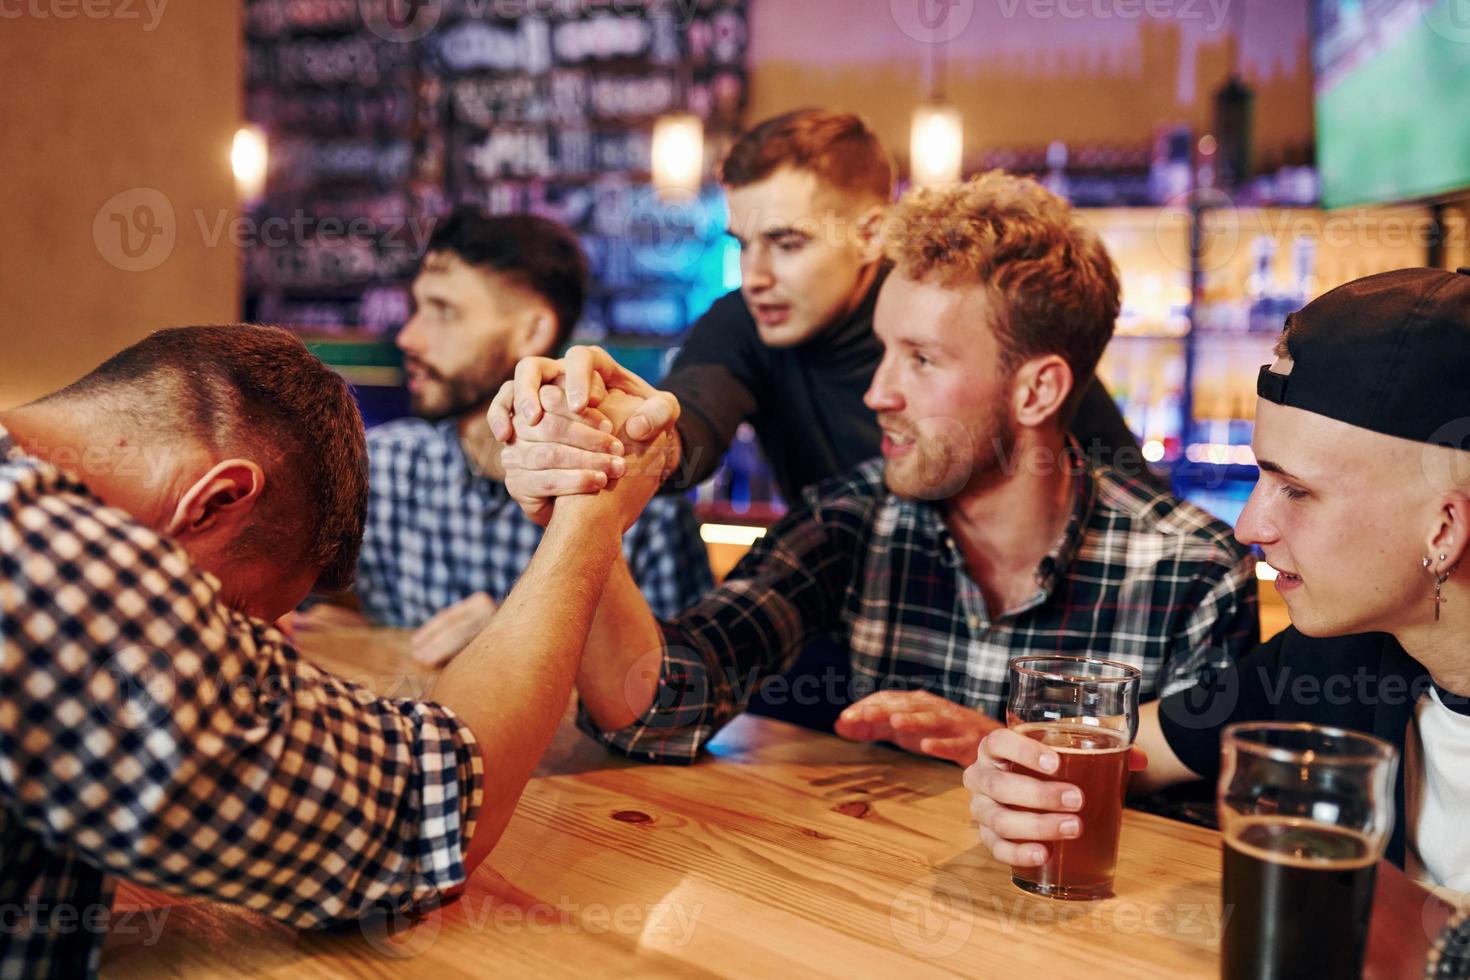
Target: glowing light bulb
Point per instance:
(249, 158)
(678, 155)
(937, 146)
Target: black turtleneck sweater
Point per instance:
(806, 402)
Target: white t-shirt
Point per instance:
(1437, 794)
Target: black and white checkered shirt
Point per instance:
(438, 532)
(148, 732)
(1136, 577)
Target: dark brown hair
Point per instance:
(1282, 348)
(1056, 287)
(257, 392)
(535, 252)
(837, 147)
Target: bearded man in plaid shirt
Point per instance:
(155, 518)
(979, 537)
(444, 542)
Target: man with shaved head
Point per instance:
(155, 517)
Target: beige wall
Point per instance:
(1022, 80)
(92, 108)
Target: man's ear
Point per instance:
(1042, 385)
(869, 231)
(229, 491)
(537, 334)
(1451, 534)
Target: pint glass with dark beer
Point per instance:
(1306, 814)
(1087, 712)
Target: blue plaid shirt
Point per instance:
(148, 731)
(1136, 577)
(438, 532)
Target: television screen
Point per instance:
(1392, 98)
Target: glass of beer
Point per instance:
(1306, 814)
(1087, 712)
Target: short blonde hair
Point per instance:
(1055, 285)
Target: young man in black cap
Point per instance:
(1363, 508)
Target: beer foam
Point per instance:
(1239, 826)
(1054, 732)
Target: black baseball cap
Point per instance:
(1389, 353)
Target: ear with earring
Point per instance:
(1440, 578)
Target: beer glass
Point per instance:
(1306, 813)
(1087, 712)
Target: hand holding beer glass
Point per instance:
(1086, 711)
(1306, 814)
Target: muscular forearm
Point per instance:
(511, 684)
(619, 673)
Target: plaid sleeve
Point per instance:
(788, 588)
(378, 571)
(667, 556)
(164, 738)
(1221, 628)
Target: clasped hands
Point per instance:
(585, 424)
(580, 425)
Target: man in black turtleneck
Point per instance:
(793, 351)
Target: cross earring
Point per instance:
(1439, 581)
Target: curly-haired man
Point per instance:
(980, 535)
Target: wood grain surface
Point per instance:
(784, 852)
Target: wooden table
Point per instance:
(783, 852)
